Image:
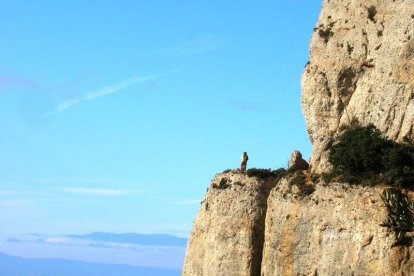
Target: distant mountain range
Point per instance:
(136, 250)
(133, 238)
(16, 266)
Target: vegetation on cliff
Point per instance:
(400, 216)
(266, 173)
(362, 153)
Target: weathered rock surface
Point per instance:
(296, 162)
(334, 231)
(242, 229)
(228, 233)
(361, 67)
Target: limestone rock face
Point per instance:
(361, 67)
(334, 231)
(247, 226)
(296, 161)
(228, 233)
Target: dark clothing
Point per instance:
(243, 166)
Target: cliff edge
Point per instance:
(361, 68)
(228, 234)
(250, 226)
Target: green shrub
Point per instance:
(223, 184)
(361, 153)
(372, 11)
(398, 162)
(400, 218)
(326, 34)
(263, 173)
(266, 173)
(260, 173)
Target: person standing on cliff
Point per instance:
(244, 160)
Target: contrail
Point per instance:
(116, 87)
(95, 192)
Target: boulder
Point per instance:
(296, 162)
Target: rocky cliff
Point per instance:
(228, 234)
(333, 231)
(361, 67)
(248, 226)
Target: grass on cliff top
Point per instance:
(266, 173)
(261, 173)
(298, 178)
(361, 153)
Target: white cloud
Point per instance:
(99, 192)
(58, 240)
(88, 243)
(103, 91)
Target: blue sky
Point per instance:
(115, 115)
